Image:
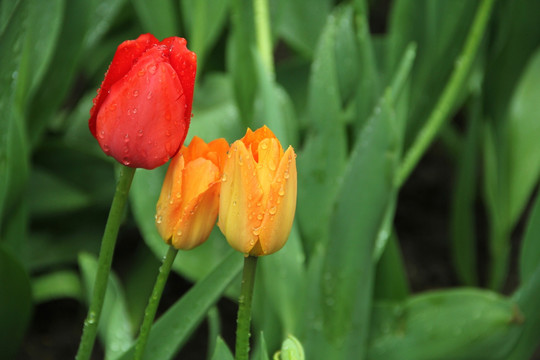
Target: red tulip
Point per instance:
(142, 111)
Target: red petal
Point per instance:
(141, 122)
(126, 55)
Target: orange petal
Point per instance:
(270, 153)
(198, 219)
(240, 199)
(168, 207)
(280, 205)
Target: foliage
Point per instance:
(354, 104)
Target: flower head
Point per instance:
(142, 111)
(258, 193)
(188, 205)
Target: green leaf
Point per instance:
(239, 57)
(349, 266)
(15, 303)
(439, 29)
(222, 351)
(114, 325)
(274, 108)
(291, 349)
(523, 130)
(44, 23)
(174, 327)
(300, 23)
(158, 17)
(102, 19)
(56, 82)
(284, 281)
(204, 20)
(56, 285)
(261, 351)
(13, 145)
(451, 324)
(346, 53)
(322, 159)
(391, 281)
(527, 297)
(529, 258)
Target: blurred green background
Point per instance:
(389, 258)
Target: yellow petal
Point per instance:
(280, 205)
(240, 199)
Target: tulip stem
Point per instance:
(244, 308)
(106, 252)
(153, 302)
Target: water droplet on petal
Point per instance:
(178, 195)
(139, 133)
(272, 210)
(135, 93)
(223, 177)
(259, 217)
(152, 69)
(281, 192)
(159, 220)
(126, 161)
(135, 110)
(126, 138)
(286, 175)
(141, 73)
(102, 134)
(149, 95)
(256, 231)
(179, 233)
(264, 146)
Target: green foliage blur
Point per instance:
(353, 86)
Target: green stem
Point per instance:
(104, 263)
(244, 308)
(153, 303)
(262, 29)
(451, 92)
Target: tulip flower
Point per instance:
(142, 111)
(188, 205)
(258, 194)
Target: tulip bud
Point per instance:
(188, 205)
(142, 111)
(258, 194)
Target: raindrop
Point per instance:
(256, 232)
(102, 134)
(135, 93)
(135, 110)
(223, 177)
(140, 133)
(272, 210)
(179, 233)
(178, 195)
(126, 161)
(264, 146)
(259, 217)
(149, 95)
(126, 138)
(141, 72)
(281, 191)
(159, 220)
(286, 175)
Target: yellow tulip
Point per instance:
(188, 205)
(258, 194)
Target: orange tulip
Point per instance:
(258, 194)
(188, 205)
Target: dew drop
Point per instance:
(178, 195)
(135, 110)
(264, 146)
(112, 107)
(139, 133)
(256, 232)
(126, 138)
(179, 233)
(149, 95)
(159, 219)
(102, 134)
(272, 210)
(286, 175)
(126, 161)
(135, 93)
(141, 73)
(259, 217)
(281, 192)
(223, 177)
